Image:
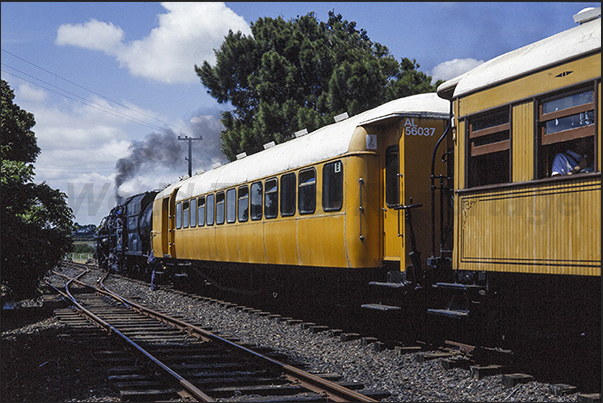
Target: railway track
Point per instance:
(162, 357)
(493, 366)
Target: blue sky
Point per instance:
(104, 80)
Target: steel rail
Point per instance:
(335, 392)
(199, 394)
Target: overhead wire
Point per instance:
(87, 102)
(82, 100)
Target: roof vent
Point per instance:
(269, 145)
(301, 133)
(341, 117)
(216, 165)
(587, 14)
(199, 172)
(242, 155)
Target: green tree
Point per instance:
(291, 75)
(36, 220)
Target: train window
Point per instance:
(210, 207)
(307, 191)
(288, 195)
(243, 203)
(271, 198)
(193, 213)
(566, 133)
(332, 186)
(489, 142)
(256, 200)
(185, 214)
(201, 212)
(231, 206)
(220, 208)
(178, 215)
(392, 172)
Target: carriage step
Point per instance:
(381, 307)
(388, 284)
(459, 286)
(449, 313)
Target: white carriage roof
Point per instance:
(556, 49)
(327, 142)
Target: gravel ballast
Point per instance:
(400, 375)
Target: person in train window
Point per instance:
(570, 162)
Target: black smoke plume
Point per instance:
(157, 149)
(164, 150)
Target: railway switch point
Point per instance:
(432, 356)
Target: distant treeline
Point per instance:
(83, 232)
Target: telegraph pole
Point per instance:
(190, 153)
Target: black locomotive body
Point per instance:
(123, 237)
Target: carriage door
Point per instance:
(393, 222)
(172, 224)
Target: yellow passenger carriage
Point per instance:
(527, 237)
(323, 205)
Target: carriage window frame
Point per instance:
(193, 220)
(568, 112)
(256, 196)
(201, 211)
(243, 203)
(489, 158)
(332, 186)
(178, 215)
(306, 192)
(288, 194)
(231, 206)
(210, 209)
(271, 198)
(185, 214)
(220, 208)
(549, 143)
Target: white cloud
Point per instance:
(29, 93)
(453, 68)
(187, 35)
(93, 35)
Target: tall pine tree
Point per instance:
(291, 75)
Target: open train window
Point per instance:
(178, 215)
(201, 212)
(566, 142)
(257, 190)
(211, 201)
(288, 195)
(193, 213)
(271, 198)
(185, 214)
(243, 203)
(307, 191)
(489, 148)
(332, 186)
